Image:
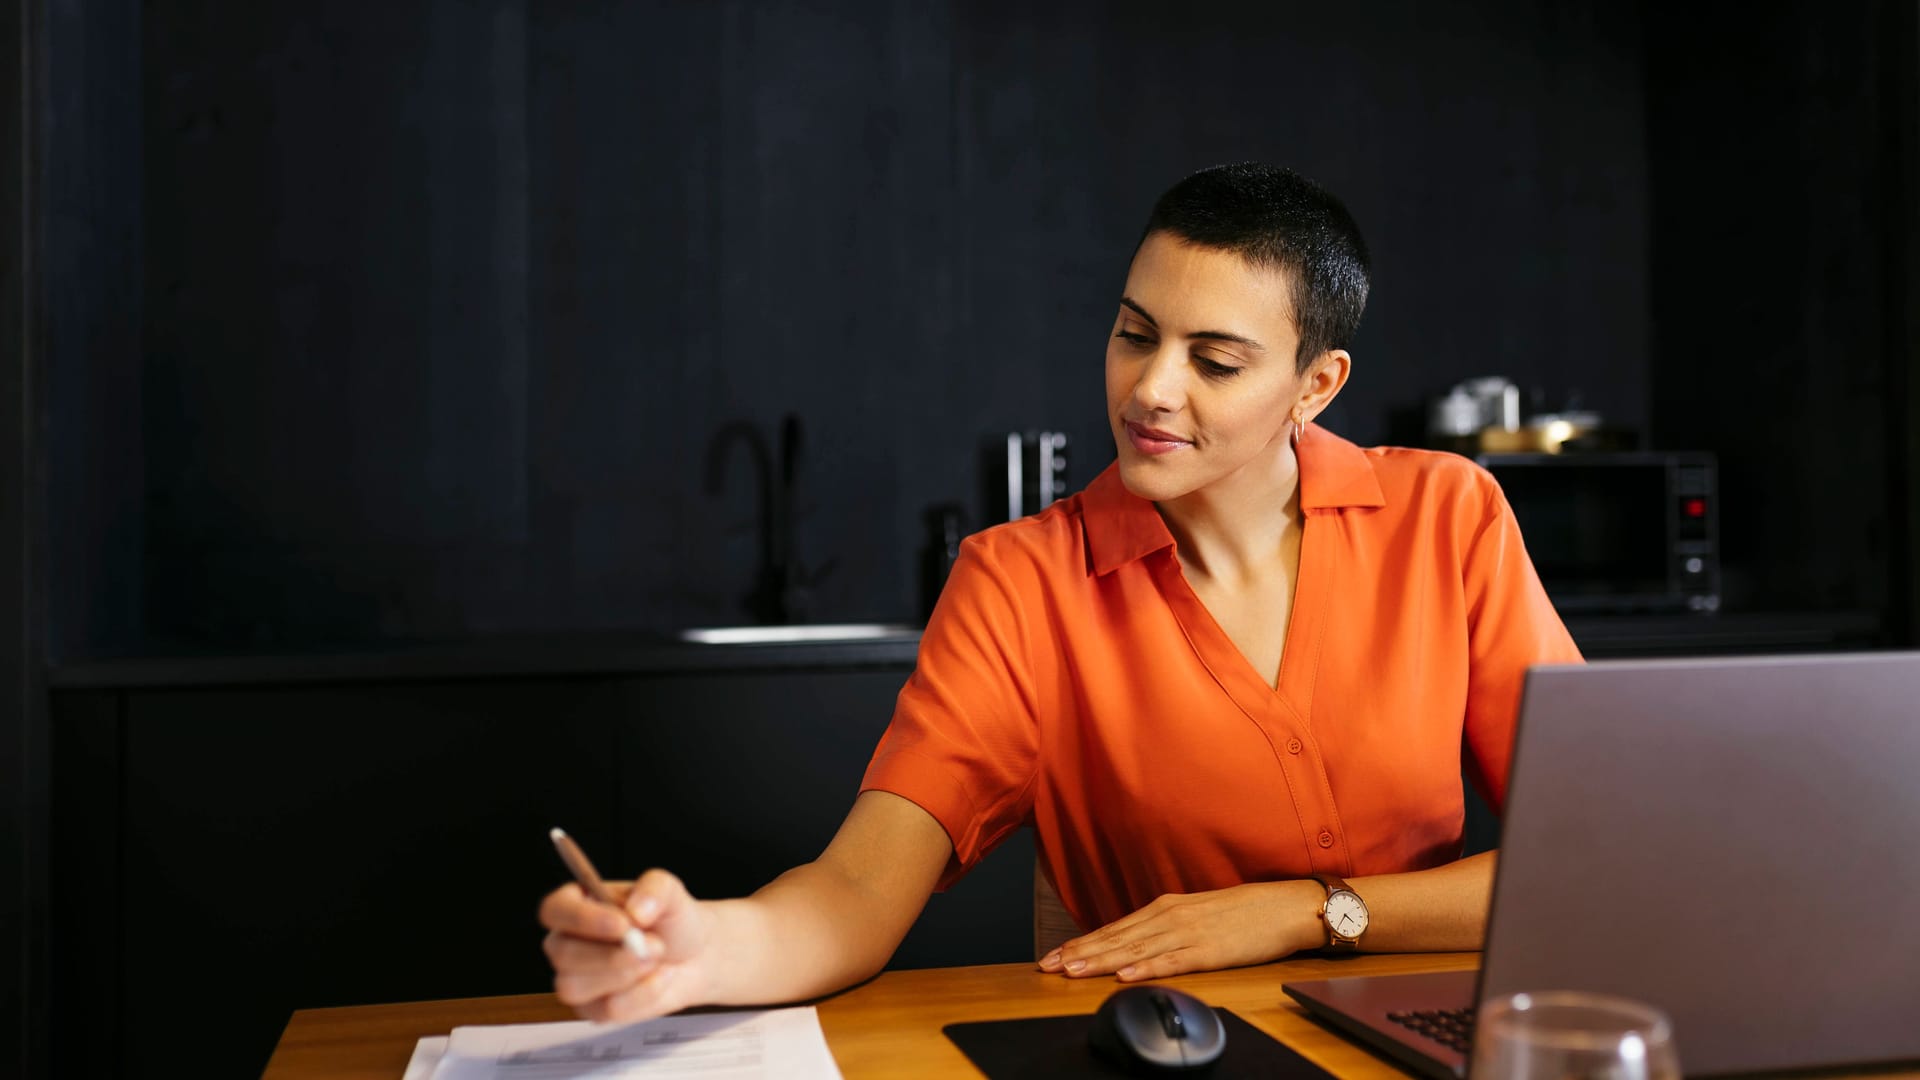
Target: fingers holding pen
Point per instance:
(617, 948)
(566, 905)
(596, 970)
(659, 904)
(586, 971)
(606, 983)
(654, 894)
(655, 995)
(569, 910)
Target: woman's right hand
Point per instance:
(594, 971)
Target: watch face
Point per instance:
(1346, 915)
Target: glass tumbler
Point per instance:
(1571, 1035)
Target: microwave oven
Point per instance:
(1618, 532)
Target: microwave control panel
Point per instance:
(1696, 568)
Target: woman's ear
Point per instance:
(1323, 381)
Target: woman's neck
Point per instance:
(1233, 529)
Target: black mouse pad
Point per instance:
(1046, 1046)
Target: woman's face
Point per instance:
(1201, 385)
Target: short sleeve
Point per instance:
(1511, 625)
(962, 743)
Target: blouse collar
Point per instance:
(1122, 526)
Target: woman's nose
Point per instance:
(1162, 383)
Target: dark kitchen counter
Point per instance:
(490, 658)
(1599, 636)
(1726, 633)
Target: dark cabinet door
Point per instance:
(729, 779)
(293, 847)
(239, 853)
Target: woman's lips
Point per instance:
(1152, 440)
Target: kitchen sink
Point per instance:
(803, 632)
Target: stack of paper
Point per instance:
(708, 1046)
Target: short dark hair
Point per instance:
(1277, 219)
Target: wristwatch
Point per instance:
(1344, 913)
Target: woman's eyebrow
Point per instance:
(1128, 301)
(1216, 335)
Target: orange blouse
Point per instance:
(1071, 680)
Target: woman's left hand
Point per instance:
(1178, 933)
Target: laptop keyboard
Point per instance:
(1452, 1028)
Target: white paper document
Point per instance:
(709, 1046)
(426, 1058)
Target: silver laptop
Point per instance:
(1735, 841)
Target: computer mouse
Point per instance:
(1157, 1029)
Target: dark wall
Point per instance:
(91, 214)
(1900, 87)
(1781, 220)
(23, 704)
(441, 305)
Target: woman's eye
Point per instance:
(1214, 369)
(1132, 338)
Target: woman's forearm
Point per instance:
(806, 933)
(1442, 909)
(832, 922)
(1439, 910)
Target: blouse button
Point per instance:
(1326, 839)
(1293, 746)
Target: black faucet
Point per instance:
(782, 591)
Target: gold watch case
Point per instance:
(1343, 913)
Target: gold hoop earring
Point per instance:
(1299, 429)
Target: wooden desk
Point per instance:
(889, 1027)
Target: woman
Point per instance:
(1230, 685)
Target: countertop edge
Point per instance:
(1600, 636)
(485, 660)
